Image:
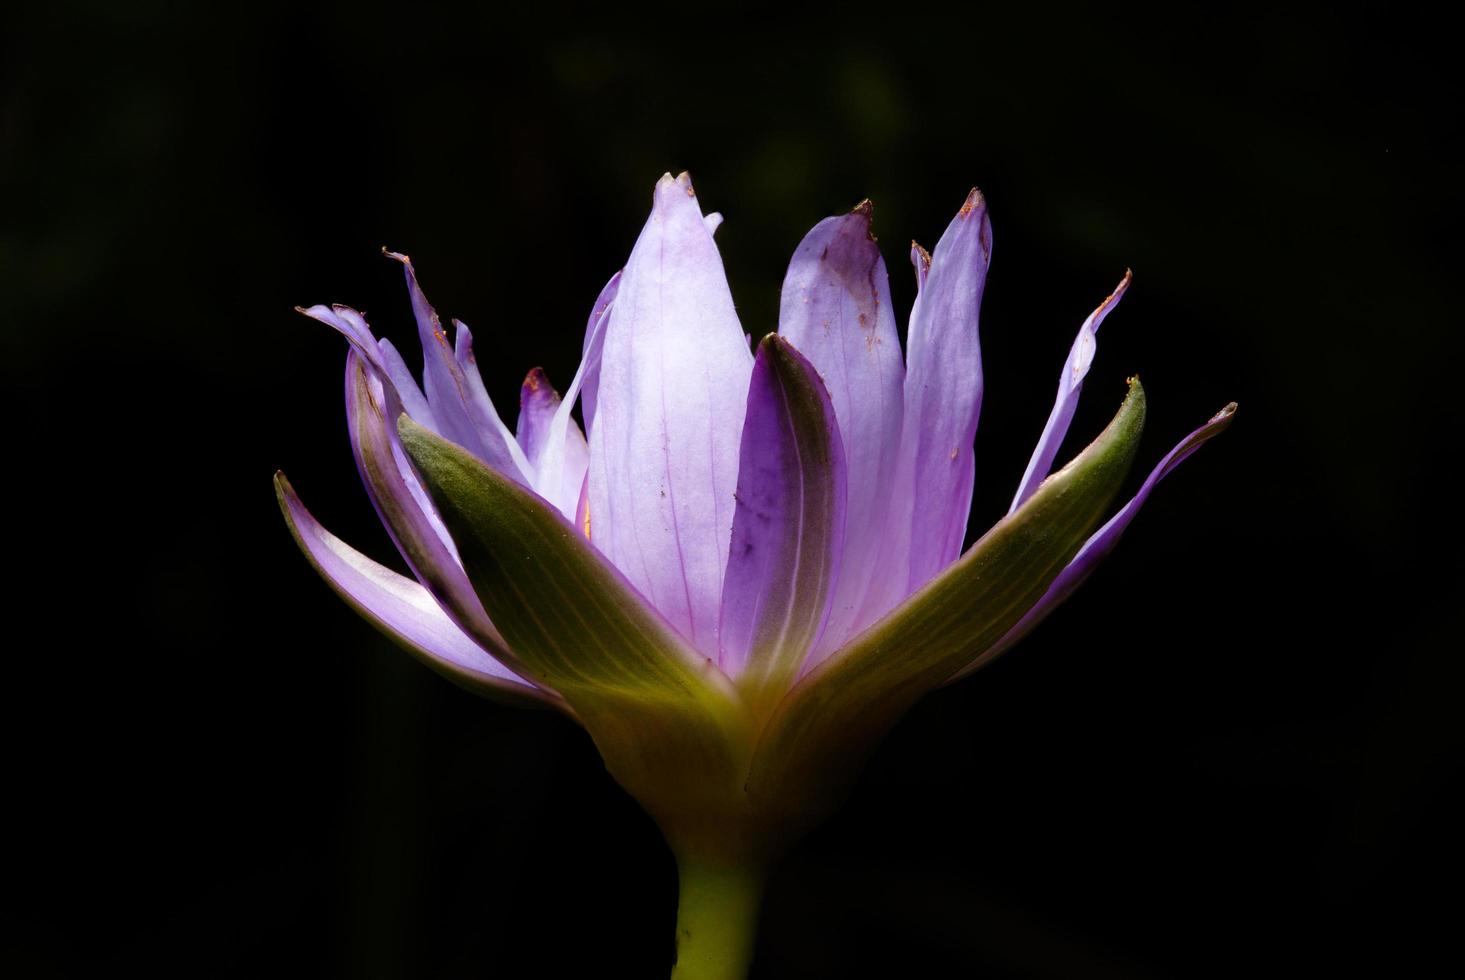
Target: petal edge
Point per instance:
(403, 610)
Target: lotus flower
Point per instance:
(748, 563)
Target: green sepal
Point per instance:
(819, 736)
(667, 721)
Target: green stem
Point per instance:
(717, 917)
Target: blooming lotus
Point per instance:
(747, 564)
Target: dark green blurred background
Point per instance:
(1237, 752)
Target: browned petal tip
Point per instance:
(865, 212)
(1119, 291)
(401, 257)
(535, 380)
(974, 202)
(1225, 413)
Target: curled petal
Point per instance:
(836, 310)
(1070, 385)
(402, 609)
(371, 367)
(351, 325)
(789, 528)
(1097, 548)
(380, 355)
(404, 508)
(669, 417)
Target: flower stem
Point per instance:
(717, 917)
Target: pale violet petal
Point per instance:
(589, 384)
(789, 529)
(943, 391)
(1070, 386)
(497, 445)
(836, 310)
(399, 607)
(665, 437)
(563, 467)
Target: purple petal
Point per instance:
(442, 379)
(400, 607)
(544, 420)
(590, 354)
(789, 527)
(370, 398)
(414, 403)
(561, 470)
(498, 447)
(349, 324)
(403, 506)
(461, 409)
(664, 442)
(370, 367)
(1070, 385)
(921, 262)
(943, 389)
(932, 491)
(537, 403)
(836, 310)
(565, 489)
(379, 354)
(1098, 546)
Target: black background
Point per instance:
(1237, 751)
